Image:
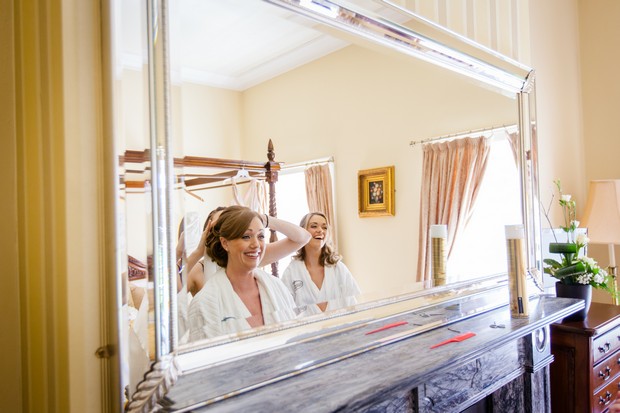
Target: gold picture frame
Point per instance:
(376, 192)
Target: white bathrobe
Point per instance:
(339, 288)
(209, 268)
(218, 310)
(183, 298)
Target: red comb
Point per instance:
(455, 339)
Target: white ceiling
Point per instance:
(233, 44)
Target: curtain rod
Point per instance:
(308, 163)
(480, 131)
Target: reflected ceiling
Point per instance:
(220, 55)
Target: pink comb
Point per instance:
(385, 327)
(455, 339)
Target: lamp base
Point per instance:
(612, 271)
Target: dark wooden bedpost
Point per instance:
(271, 173)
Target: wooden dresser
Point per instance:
(585, 376)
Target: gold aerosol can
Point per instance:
(439, 237)
(515, 235)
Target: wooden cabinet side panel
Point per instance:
(571, 388)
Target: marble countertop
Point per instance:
(351, 370)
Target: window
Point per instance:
(481, 247)
(291, 200)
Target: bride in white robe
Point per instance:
(316, 276)
(222, 311)
(242, 296)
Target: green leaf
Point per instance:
(553, 263)
(571, 270)
(562, 248)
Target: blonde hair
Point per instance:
(328, 255)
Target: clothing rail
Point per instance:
(212, 185)
(474, 132)
(205, 180)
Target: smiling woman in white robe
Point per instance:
(218, 310)
(338, 290)
(241, 296)
(316, 276)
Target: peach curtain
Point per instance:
(451, 177)
(319, 194)
(532, 170)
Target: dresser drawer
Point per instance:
(605, 396)
(605, 345)
(605, 370)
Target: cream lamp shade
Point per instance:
(602, 215)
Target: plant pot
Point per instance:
(583, 292)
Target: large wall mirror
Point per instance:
(347, 83)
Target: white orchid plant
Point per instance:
(573, 268)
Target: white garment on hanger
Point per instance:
(255, 197)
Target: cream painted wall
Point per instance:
(364, 108)
(600, 88)
(499, 25)
(555, 56)
(209, 121)
(578, 95)
(131, 110)
(206, 122)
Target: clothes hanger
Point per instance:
(242, 173)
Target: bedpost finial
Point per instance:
(271, 155)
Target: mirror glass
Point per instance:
(246, 72)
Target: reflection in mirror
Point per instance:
(328, 281)
(316, 277)
(318, 94)
(130, 111)
(240, 295)
(321, 94)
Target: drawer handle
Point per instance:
(605, 374)
(605, 347)
(604, 401)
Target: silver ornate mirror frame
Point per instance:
(420, 39)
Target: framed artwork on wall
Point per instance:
(376, 192)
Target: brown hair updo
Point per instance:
(232, 224)
(328, 255)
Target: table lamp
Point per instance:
(602, 218)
